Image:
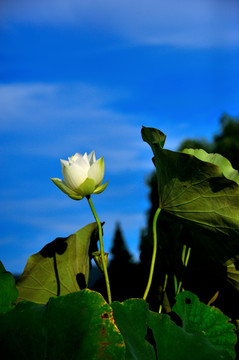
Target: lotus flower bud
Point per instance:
(83, 175)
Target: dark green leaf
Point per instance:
(75, 326)
(81, 326)
(200, 318)
(8, 291)
(23, 332)
(174, 342)
(147, 333)
(131, 317)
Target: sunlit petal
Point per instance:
(82, 162)
(87, 187)
(99, 189)
(64, 163)
(74, 158)
(74, 175)
(63, 187)
(91, 158)
(97, 171)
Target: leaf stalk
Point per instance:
(101, 248)
(154, 253)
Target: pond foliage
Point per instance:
(50, 313)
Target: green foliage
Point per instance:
(75, 326)
(82, 325)
(198, 317)
(149, 335)
(63, 320)
(131, 317)
(87, 328)
(217, 159)
(195, 144)
(227, 142)
(58, 269)
(173, 342)
(8, 292)
(23, 333)
(197, 192)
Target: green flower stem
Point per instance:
(102, 253)
(176, 286)
(185, 264)
(187, 258)
(154, 253)
(163, 292)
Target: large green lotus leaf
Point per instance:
(174, 342)
(131, 317)
(23, 332)
(200, 318)
(60, 268)
(81, 326)
(145, 332)
(8, 291)
(75, 326)
(204, 194)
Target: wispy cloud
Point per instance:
(24, 104)
(186, 23)
(74, 118)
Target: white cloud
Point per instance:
(185, 23)
(24, 104)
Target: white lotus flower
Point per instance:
(83, 175)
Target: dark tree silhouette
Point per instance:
(195, 144)
(227, 142)
(120, 254)
(123, 272)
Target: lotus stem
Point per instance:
(154, 253)
(101, 248)
(176, 286)
(163, 292)
(185, 259)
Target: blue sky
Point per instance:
(83, 75)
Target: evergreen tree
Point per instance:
(227, 142)
(121, 256)
(122, 270)
(195, 144)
